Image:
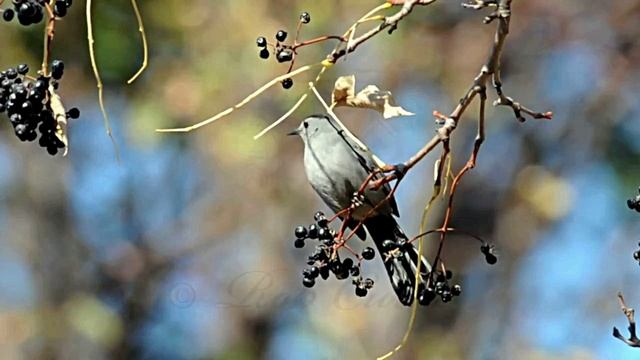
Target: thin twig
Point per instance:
(329, 60)
(245, 101)
(283, 117)
(143, 36)
(49, 32)
(96, 74)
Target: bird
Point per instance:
(336, 166)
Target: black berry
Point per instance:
(305, 18)
(456, 290)
(23, 69)
(57, 69)
(368, 253)
(284, 55)
(7, 14)
(287, 83)
(313, 231)
(281, 35)
(264, 53)
(301, 232)
(308, 282)
(261, 41)
(73, 113)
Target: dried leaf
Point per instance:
(371, 97)
(60, 116)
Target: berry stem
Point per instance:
(298, 45)
(49, 30)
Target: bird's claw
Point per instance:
(357, 200)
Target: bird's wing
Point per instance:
(366, 159)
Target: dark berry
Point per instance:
(361, 291)
(261, 41)
(347, 263)
(60, 9)
(299, 243)
(301, 232)
(23, 69)
(284, 55)
(308, 282)
(313, 231)
(355, 271)
(287, 83)
(389, 245)
(491, 259)
(305, 17)
(281, 35)
(264, 53)
(11, 73)
(636, 255)
(426, 296)
(40, 85)
(27, 107)
(368, 253)
(27, 9)
(334, 265)
(446, 296)
(456, 290)
(57, 69)
(73, 113)
(7, 15)
(342, 273)
(314, 272)
(20, 129)
(324, 272)
(368, 283)
(320, 219)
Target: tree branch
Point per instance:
(633, 340)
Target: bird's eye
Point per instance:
(305, 124)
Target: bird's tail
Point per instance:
(401, 262)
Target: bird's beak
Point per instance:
(294, 132)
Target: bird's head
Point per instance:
(315, 125)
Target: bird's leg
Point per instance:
(357, 200)
(394, 172)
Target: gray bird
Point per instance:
(336, 166)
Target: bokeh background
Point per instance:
(184, 248)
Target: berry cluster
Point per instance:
(441, 288)
(32, 12)
(27, 102)
(325, 259)
(634, 204)
(283, 52)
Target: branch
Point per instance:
(96, 73)
(145, 47)
(633, 340)
(389, 22)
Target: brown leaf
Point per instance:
(60, 116)
(371, 97)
